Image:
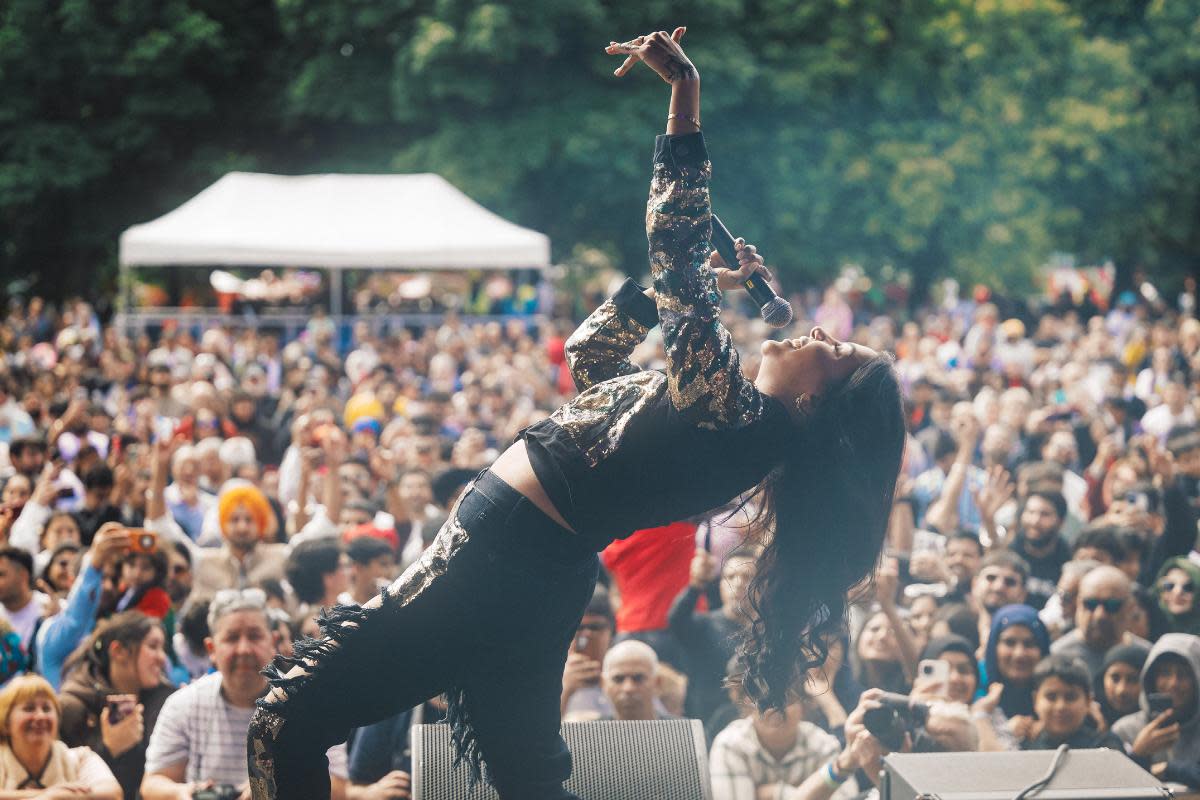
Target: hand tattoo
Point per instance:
(677, 69)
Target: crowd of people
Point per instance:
(178, 510)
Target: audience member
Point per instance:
(1120, 681)
(708, 638)
(1017, 642)
(32, 757)
(582, 696)
(630, 679)
(1062, 702)
(1168, 742)
(1101, 618)
(114, 692)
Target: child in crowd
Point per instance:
(1062, 703)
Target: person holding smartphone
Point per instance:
(115, 686)
(1164, 737)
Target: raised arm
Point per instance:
(704, 375)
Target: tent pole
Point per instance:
(335, 294)
(125, 299)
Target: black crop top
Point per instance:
(642, 448)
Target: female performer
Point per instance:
(489, 611)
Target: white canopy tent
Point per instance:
(334, 222)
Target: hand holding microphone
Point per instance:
(748, 263)
(750, 274)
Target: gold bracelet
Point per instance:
(685, 118)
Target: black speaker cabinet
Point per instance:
(1100, 774)
(653, 760)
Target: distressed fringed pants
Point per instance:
(487, 615)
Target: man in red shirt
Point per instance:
(649, 569)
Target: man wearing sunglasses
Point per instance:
(1101, 618)
(1000, 582)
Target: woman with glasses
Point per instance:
(490, 609)
(1176, 584)
(1018, 641)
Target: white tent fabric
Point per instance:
(334, 221)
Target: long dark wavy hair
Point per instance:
(92, 656)
(822, 521)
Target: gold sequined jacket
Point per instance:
(640, 448)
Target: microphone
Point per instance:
(776, 311)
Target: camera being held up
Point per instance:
(896, 717)
(222, 791)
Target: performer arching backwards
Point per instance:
(489, 611)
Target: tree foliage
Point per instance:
(965, 137)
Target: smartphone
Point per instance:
(164, 428)
(120, 706)
(1157, 703)
(934, 669)
(142, 540)
(928, 542)
(581, 642)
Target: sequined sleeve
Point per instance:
(599, 349)
(704, 374)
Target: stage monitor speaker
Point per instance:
(1100, 774)
(652, 760)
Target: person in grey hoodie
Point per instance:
(1169, 743)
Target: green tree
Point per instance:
(112, 112)
(966, 137)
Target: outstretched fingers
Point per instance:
(631, 49)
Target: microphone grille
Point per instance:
(777, 313)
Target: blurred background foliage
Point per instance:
(965, 138)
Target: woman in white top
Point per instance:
(34, 763)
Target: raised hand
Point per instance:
(1162, 463)
(887, 582)
(995, 493)
(749, 262)
(703, 569)
(659, 51)
(1160, 734)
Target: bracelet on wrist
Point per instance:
(685, 118)
(832, 779)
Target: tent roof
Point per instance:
(361, 221)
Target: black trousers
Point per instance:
(486, 615)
